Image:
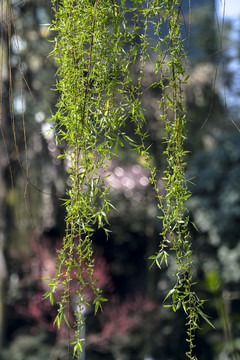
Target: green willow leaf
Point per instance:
(95, 48)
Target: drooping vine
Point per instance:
(97, 43)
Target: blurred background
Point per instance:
(134, 324)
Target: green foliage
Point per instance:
(34, 347)
(96, 45)
(214, 206)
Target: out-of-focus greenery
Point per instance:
(215, 209)
(37, 167)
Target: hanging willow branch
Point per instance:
(96, 44)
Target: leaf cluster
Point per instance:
(96, 44)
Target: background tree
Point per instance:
(32, 175)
